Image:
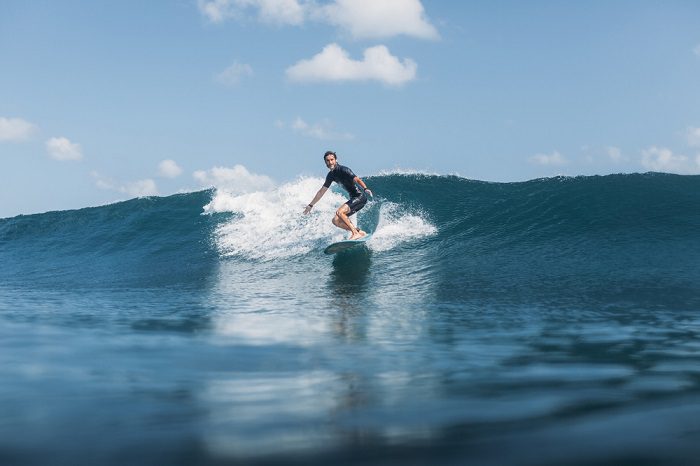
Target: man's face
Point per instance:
(330, 161)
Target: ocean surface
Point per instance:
(548, 322)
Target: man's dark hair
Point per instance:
(330, 152)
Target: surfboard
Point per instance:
(346, 244)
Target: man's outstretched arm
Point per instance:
(316, 198)
(364, 186)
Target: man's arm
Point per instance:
(317, 197)
(363, 185)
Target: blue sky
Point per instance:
(102, 101)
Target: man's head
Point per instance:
(331, 159)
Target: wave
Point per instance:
(117, 244)
(637, 226)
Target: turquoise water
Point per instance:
(554, 321)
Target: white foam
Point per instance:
(416, 172)
(270, 224)
(398, 226)
(407, 172)
(235, 180)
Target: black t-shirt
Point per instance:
(343, 175)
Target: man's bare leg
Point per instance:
(340, 224)
(342, 214)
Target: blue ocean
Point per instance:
(548, 322)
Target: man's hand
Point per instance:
(308, 209)
(369, 191)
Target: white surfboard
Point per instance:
(346, 244)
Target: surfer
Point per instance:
(348, 180)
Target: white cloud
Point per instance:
(102, 182)
(269, 11)
(334, 64)
(322, 130)
(363, 19)
(615, 154)
(169, 169)
(63, 149)
(234, 74)
(215, 11)
(661, 159)
(693, 137)
(554, 159)
(15, 129)
(236, 180)
(139, 188)
(279, 11)
(373, 19)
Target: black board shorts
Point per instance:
(356, 203)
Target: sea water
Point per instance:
(555, 321)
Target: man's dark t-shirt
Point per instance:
(343, 175)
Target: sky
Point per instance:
(103, 101)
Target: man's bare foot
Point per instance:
(358, 235)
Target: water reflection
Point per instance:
(368, 353)
(350, 271)
(353, 368)
(261, 328)
(250, 414)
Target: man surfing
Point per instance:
(348, 180)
